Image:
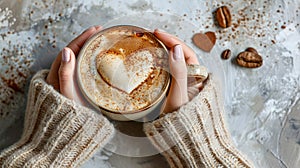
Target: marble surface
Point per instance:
(262, 105)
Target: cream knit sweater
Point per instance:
(59, 133)
(196, 135)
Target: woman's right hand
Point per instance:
(62, 72)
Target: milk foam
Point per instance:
(121, 73)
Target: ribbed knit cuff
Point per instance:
(57, 131)
(196, 135)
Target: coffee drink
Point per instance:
(226, 54)
(223, 17)
(123, 69)
(249, 59)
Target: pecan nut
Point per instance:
(249, 59)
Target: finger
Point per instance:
(76, 44)
(178, 90)
(170, 41)
(66, 73)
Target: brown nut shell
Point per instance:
(253, 50)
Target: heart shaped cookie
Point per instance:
(125, 73)
(205, 41)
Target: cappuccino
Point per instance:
(123, 69)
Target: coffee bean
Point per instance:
(226, 54)
(249, 59)
(250, 49)
(223, 16)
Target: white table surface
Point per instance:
(262, 105)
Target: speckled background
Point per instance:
(262, 105)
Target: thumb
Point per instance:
(66, 73)
(178, 90)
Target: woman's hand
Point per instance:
(180, 55)
(62, 72)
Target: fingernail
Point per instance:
(178, 54)
(98, 27)
(66, 55)
(159, 31)
(89, 29)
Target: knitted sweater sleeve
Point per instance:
(57, 131)
(196, 135)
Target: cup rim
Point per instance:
(89, 100)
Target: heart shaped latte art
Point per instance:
(125, 73)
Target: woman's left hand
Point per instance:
(180, 56)
(62, 72)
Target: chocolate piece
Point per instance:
(205, 41)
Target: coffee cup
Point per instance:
(123, 72)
